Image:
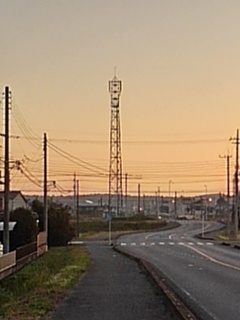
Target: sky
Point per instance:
(180, 70)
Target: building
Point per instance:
(16, 200)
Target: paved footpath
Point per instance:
(115, 288)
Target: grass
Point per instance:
(225, 236)
(33, 291)
(90, 227)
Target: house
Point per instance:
(16, 200)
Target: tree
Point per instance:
(37, 206)
(59, 229)
(25, 230)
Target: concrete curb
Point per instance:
(162, 283)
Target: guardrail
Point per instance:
(7, 260)
(15, 260)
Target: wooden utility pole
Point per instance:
(228, 189)
(236, 142)
(6, 241)
(126, 191)
(158, 201)
(139, 198)
(77, 209)
(45, 204)
(175, 205)
(74, 194)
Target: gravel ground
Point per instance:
(115, 288)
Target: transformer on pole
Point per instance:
(115, 194)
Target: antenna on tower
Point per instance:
(115, 194)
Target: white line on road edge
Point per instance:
(212, 259)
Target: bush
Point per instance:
(59, 229)
(25, 230)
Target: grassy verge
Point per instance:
(226, 237)
(92, 227)
(33, 291)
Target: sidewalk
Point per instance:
(113, 289)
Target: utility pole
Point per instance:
(45, 204)
(77, 211)
(236, 142)
(139, 197)
(175, 205)
(144, 203)
(74, 194)
(126, 190)
(6, 241)
(228, 189)
(158, 200)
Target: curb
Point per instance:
(162, 283)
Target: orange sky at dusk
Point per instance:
(180, 68)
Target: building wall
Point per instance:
(17, 202)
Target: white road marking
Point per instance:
(162, 243)
(123, 244)
(180, 243)
(191, 243)
(171, 236)
(187, 293)
(200, 243)
(133, 244)
(142, 244)
(209, 244)
(213, 260)
(171, 243)
(152, 244)
(75, 242)
(190, 265)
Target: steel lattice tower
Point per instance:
(115, 164)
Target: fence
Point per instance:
(15, 260)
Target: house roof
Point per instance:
(13, 194)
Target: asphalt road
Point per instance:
(115, 288)
(204, 273)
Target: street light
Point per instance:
(205, 212)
